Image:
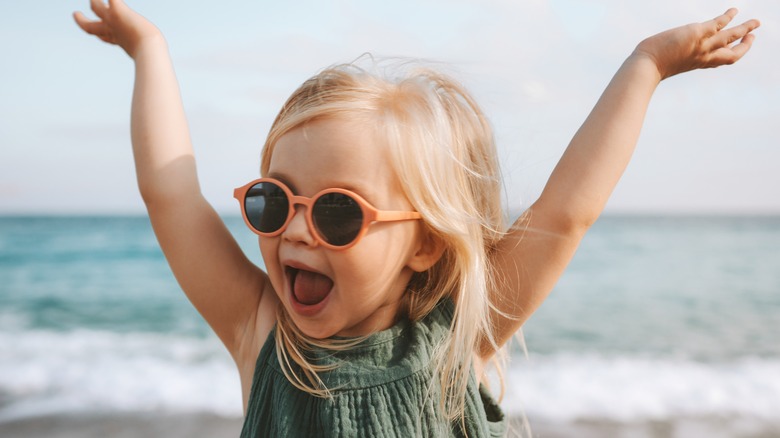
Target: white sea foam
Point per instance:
(47, 372)
(90, 371)
(567, 387)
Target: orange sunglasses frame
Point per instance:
(370, 213)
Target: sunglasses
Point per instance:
(337, 218)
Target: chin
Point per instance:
(314, 330)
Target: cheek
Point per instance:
(377, 262)
(269, 248)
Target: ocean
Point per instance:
(664, 326)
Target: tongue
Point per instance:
(310, 288)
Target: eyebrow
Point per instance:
(361, 190)
(283, 178)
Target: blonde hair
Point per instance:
(442, 150)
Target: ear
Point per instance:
(429, 251)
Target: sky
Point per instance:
(709, 144)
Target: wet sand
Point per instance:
(122, 426)
(210, 426)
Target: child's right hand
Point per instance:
(698, 45)
(118, 24)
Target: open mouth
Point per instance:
(308, 288)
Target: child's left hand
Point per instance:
(698, 45)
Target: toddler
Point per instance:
(391, 278)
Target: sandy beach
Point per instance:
(122, 426)
(207, 425)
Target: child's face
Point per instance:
(362, 285)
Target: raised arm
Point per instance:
(221, 282)
(538, 247)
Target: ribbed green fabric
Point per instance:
(382, 388)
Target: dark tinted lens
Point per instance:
(266, 207)
(338, 218)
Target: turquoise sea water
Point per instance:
(656, 318)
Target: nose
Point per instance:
(297, 230)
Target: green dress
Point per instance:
(381, 389)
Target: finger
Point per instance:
(730, 55)
(96, 28)
(107, 38)
(99, 8)
(721, 21)
(739, 50)
(87, 25)
(726, 37)
(116, 4)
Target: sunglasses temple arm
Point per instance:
(389, 216)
